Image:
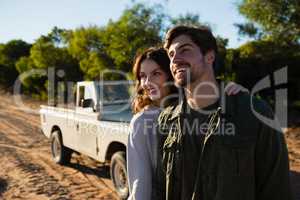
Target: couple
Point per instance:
(180, 147)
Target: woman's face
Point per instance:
(154, 80)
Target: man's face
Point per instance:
(187, 63)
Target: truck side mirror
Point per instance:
(87, 103)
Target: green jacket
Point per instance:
(252, 164)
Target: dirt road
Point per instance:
(293, 142)
(26, 168)
(27, 171)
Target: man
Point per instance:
(212, 147)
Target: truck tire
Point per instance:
(118, 174)
(60, 153)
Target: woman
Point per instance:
(154, 82)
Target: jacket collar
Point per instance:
(182, 104)
(179, 109)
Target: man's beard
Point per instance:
(187, 79)
(181, 83)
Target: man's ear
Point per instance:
(210, 57)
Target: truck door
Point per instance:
(86, 121)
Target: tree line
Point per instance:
(85, 52)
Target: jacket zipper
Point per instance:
(211, 129)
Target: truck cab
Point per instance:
(98, 126)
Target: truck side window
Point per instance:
(81, 95)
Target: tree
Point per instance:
(35, 84)
(45, 53)
(59, 37)
(83, 41)
(250, 30)
(138, 28)
(189, 19)
(258, 59)
(277, 23)
(87, 47)
(9, 54)
(113, 47)
(279, 19)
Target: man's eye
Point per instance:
(142, 76)
(184, 50)
(156, 73)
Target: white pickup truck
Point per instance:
(97, 126)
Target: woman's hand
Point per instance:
(233, 88)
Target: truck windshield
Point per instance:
(114, 92)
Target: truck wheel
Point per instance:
(60, 153)
(118, 174)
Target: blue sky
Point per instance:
(29, 19)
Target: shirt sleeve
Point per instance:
(138, 162)
(272, 165)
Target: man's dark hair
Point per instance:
(201, 36)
